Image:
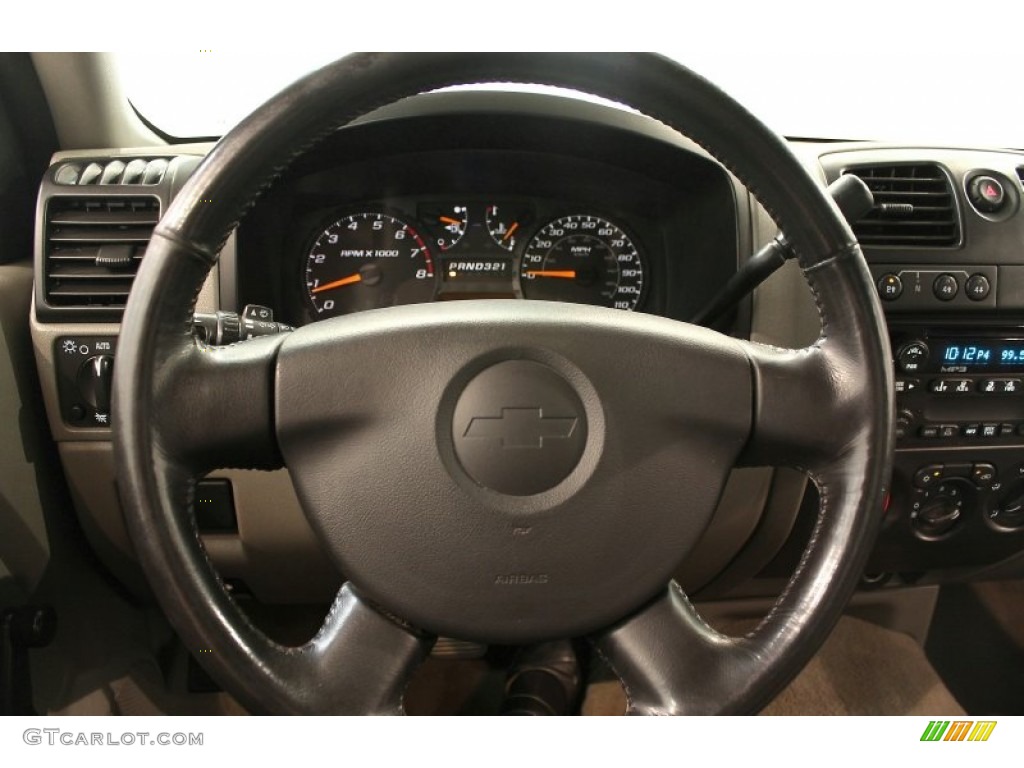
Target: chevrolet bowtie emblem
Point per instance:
(521, 427)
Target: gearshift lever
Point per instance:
(21, 628)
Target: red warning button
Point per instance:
(987, 193)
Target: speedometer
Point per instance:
(583, 259)
(367, 260)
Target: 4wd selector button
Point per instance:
(945, 287)
(890, 287)
(977, 287)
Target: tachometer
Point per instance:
(583, 259)
(368, 260)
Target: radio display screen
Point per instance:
(979, 355)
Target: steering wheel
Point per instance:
(555, 461)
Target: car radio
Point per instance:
(956, 388)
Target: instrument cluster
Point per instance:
(435, 249)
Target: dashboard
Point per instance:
(945, 244)
(448, 197)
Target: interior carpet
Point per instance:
(863, 669)
(977, 644)
(142, 692)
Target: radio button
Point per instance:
(928, 431)
(950, 386)
(1005, 430)
(972, 430)
(906, 386)
(989, 430)
(977, 287)
(945, 287)
(948, 430)
(999, 386)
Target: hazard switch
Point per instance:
(987, 193)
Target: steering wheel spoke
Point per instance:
(671, 662)
(811, 405)
(216, 408)
(788, 429)
(359, 662)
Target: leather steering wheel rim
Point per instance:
(171, 426)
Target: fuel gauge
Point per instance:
(447, 224)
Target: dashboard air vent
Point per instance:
(93, 246)
(112, 172)
(914, 206)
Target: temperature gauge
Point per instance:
(505, 224)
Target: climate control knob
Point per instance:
(1009, 512)
(937, 517)
(939, 509)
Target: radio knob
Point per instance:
(912, 357)
(904, 421)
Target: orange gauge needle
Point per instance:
(338, 283)
(448, 220)
(569, 274)
(513, 228)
